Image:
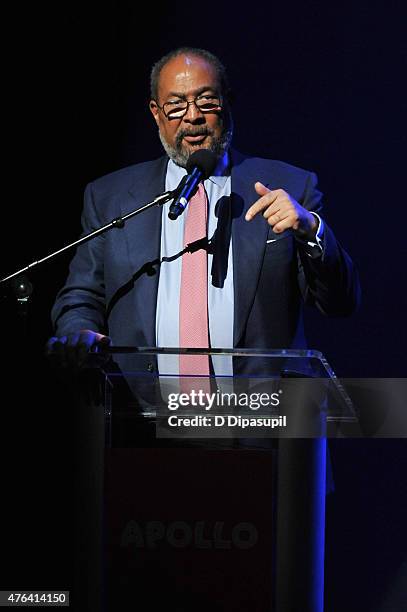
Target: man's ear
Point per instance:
(154, 110)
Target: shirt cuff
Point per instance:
(314, 248)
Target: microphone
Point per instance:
(200, 166)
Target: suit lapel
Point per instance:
(143, 235)
(249, 241)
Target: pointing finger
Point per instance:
(262, 203)
(261, 189)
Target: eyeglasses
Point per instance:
(175, 109)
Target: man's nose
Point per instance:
(193, 114)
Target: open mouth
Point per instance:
(197, 139)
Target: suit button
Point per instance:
(150, 367)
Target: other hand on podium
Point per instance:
(82, 349)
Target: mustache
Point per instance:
(202, 131)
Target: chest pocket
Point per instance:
(279, 246)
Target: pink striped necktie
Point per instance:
(193, 308)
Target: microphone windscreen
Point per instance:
(204, 160)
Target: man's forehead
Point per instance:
(183, 70)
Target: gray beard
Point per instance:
(218, 146)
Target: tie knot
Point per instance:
(200, 194)
(197, 213)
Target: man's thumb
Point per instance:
(104, 342)
(261, 189)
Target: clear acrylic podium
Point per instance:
(206, 492)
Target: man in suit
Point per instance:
(267, 249)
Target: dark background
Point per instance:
(319, 85)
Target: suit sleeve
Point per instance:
(81, 302)
(329, 282)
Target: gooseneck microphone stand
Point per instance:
(200, 166)
(21, 286)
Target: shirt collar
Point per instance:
(219, 177)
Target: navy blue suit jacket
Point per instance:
(113, 279)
